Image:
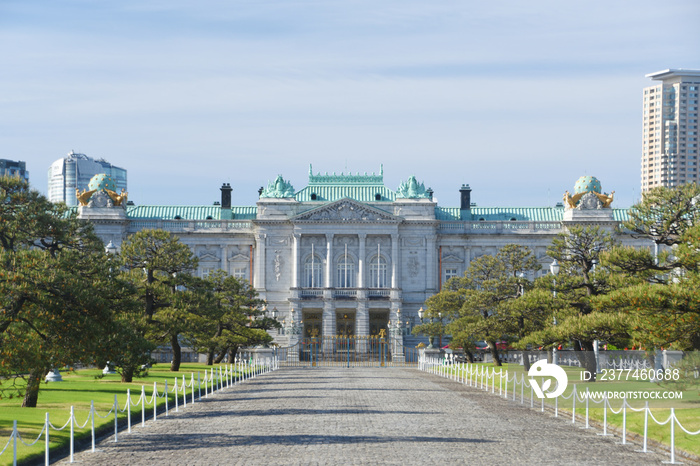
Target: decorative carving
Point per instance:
(278, 265)
(278, 241)
(413, 266)
(589, 201)
(411, 189)
(346, 210)
(413, 241)
(100, 200)
(278, 188)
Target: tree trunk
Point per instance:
(494, 353)
(221, 356)
(210, 357)
(526, 360)
(232, 353)
(127, 373)
(177, 354)
(586, 356)
(33, 383)
(469, 356)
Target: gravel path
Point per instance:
(360, 416)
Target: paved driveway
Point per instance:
(359, 416)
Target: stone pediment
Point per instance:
(346, 211)
(451, 258)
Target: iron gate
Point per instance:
(349, 351)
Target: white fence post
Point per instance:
(673, 436)
(184, 392)
(143, 406)
(128, 410)
(14, 442)
(176, 395)
(166, 397)
(46, 441)
(72, 434)
(155, 401)
(92, 423)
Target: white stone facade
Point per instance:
(348, 266)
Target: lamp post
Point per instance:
(440, 317)
(421, 313)
(554, 268)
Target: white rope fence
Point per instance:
(478, 376)
(212, 381)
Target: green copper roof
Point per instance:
(244, 212)
(524, 214)
(188, 212)
(335, 193)
(170, 212)
(333, 187)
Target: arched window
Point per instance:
(313, 275)
(346, 272)
(378, 273)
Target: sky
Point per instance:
(517, 99)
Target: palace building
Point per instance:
(347, 255)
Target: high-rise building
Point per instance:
(14, 168)
(670, 129)
(74, 172)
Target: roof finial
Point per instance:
(381, 169)
(311, 171)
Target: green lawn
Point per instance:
(78, 389)
(687, 410)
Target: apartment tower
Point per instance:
(670, 129)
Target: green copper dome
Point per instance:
(586, 184)
(102, 181)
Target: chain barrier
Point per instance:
(471, 374)
(219, 379)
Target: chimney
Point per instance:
(465, 194)
(226, 196)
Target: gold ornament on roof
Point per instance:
(84, 197)
(606, 200)
(570, 200)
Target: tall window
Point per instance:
(377, 273)
(346, 272)
(313, 276)
(240, 272)
(450, 273)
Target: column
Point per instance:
(259, 264)
(430, 265)
(394, 261)
(328, 325)
(224, 259)
(395, 336)
(329, 262)
(362, 325)
(296, 245)
(361, 261)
